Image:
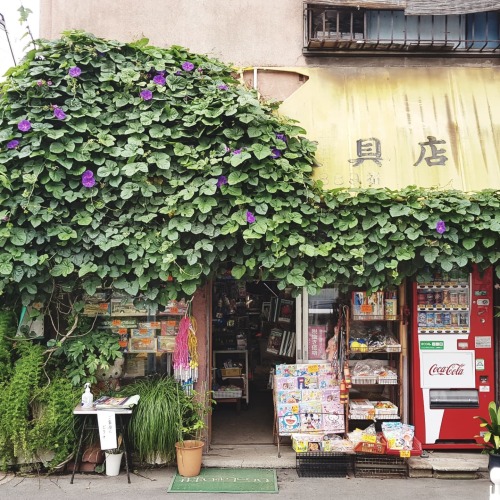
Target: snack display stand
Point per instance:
(307, 403)
(358, 363)
(306, 396)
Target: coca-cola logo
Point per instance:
(453, 369)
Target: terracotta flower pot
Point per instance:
(189, 456)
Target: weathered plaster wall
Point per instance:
(241, 32)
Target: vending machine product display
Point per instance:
(452, 357)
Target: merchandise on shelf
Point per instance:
(398, 436)
(304, 442)
(142, 344)
(384, 409)
(361, 409)
(166, 343)
(372, 338)
(373, 371)
(373, 344)
(305, 405)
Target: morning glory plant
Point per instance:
(24, 125)
(152, 195)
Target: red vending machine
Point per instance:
(452, 357)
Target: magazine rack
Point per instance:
(121, 426)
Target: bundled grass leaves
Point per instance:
(157, 422)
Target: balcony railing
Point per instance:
(337, 30)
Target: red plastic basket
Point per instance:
(375, 448)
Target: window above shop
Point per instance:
(331, 29)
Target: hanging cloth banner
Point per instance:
(445, 7)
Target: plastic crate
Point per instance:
(393, 348)
(324, 464)
(388, 380)
(227, 394)
(231, 372)
(364, 379)
(380, 466)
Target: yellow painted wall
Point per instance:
(400, 108)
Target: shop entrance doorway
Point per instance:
(253, 330)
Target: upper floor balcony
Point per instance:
(337, 30)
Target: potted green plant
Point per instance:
(491, 436)
(189, 446)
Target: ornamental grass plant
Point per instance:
(164, 415)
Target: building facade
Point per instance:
(395, 92)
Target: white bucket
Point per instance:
(113, 462)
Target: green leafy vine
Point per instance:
(150, 170)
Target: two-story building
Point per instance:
(395, 92)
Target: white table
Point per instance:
(89, 413)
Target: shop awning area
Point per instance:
(395, 126)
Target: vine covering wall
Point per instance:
(150, 169)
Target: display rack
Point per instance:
(374, 339)
(147, 340)
(236, 356)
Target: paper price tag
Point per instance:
(404, 453)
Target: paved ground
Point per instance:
(153, 484)
(439, 476)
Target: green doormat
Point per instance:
(218, 480)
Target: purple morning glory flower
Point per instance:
(49, 82)
(39, 83)
(222, 86)
(24, 125)
(275, 153)
(59, 113)
(187, 66)
(227, 149)
(237, 151)
(250, 217)
(88, 179)
(159, 80)
(281, 137)
(13, 144)
(74, 72)
(440, 226)
(146, 94)
(221, 181)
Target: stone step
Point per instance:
(448, 465)
(436, 464)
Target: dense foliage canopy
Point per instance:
(149, 170)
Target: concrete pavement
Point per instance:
(443, 475)
(153, 485)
